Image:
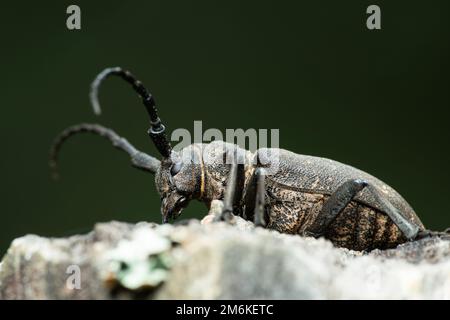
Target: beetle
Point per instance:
(305, 195)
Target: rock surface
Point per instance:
(217, 261)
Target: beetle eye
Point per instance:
(176, 167)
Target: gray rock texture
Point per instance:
(217, 261)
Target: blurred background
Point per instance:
(377, 100)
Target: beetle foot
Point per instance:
(218, 213)
(226, 216)
(311, 234)
(430, 234)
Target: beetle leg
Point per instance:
(139, 159)
(334, 206)
(409, 229)
(343, 196)
(259, 201)
(254, 198)
(233, 191)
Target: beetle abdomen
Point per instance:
(358, 227)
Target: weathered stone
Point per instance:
(210, 261)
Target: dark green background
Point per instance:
(378, 100)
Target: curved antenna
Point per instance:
(157, 129)
(139, 159)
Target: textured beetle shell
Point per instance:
(297, 190)
(358, 227)
(320, 175)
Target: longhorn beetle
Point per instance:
(307, 195)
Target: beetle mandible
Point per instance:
(307, 195)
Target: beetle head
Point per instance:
(179, 179)
(199, 171)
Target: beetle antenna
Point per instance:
(157, 129)
(139, 159)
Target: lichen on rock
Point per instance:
(141, 262)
